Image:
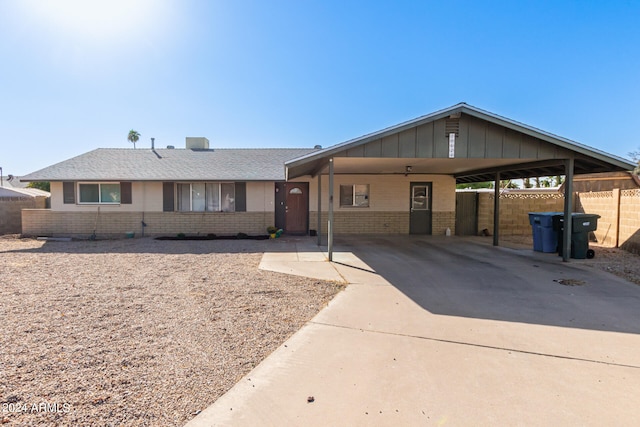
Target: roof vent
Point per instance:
(170, 147)
(318, 147)
(452, 126)
(199, 143)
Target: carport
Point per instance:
(463, 142)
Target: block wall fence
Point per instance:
(514, 210)
(10, 212)
(619, 210)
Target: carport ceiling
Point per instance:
(485, 144)
(465, 170)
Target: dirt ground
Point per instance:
(137, 332)
(613, 260)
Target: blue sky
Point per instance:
(78, 75)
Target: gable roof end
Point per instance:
(312, 163)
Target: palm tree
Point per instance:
(134, 136)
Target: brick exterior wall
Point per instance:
(360, 221)
(514, 210)
(44, 222)
(440, 221)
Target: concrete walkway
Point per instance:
(451, 331)
(300, 257)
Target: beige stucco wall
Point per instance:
(388, 211)
(389, 204)
(388, 193)
(147, 197)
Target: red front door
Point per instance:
(297, 208)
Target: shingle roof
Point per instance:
(126, 164)
(12, 181)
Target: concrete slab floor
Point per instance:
(396, 380)
(452, 332)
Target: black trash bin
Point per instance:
(581, 225)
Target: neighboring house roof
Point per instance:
(126, 164)
(12, 181)
(474, 168)
(22, 192)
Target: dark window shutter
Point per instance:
(69, 192)
(167, 197)
(241, 196)
(125, 193)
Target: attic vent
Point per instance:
(452, 126)
(170, 147)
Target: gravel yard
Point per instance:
(613, 260)
(138, 332)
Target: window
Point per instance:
(108, 192)
(206, 197)
(356, 195)
(420, 198)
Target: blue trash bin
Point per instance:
(545, 238)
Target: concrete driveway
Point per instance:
(452, 331)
